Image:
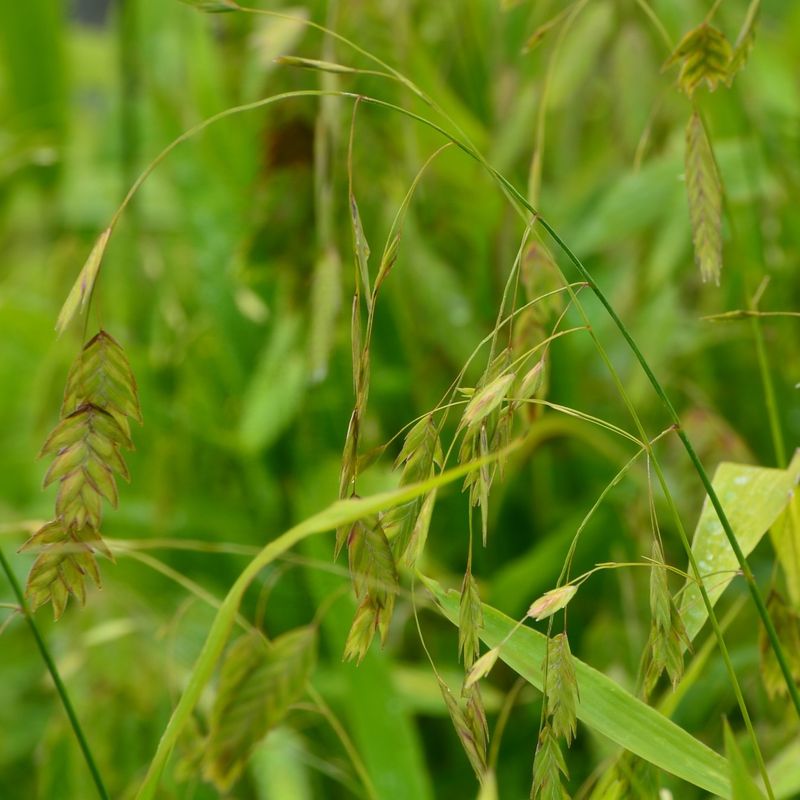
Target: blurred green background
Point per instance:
(229, 284)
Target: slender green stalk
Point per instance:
(345, 741)
(769, 393)
(756, 209)
(54, 674)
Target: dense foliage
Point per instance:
(319, 296)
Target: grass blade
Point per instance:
(753, 498)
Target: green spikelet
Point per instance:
(373, 573)
(705, 55)
(704, 191)
(99, 400)
(257, 685)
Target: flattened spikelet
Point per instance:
(418, 458)
(704, 190)
(470, 621)
(375, 582)
(705, 55)
(562, 688)
(99, 400)
(258, 683)
(464, 722)
(66, 557)
(548, 767)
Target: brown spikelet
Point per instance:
(468, 727)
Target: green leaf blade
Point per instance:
(603, 705)
(753, 499)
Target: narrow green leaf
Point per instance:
(212, 6)
(81, 291)
(753, 498)
(742, 785)
(603, 705)
(326, 300)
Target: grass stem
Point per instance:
(61, 689)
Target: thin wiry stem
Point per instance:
(61, 689)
